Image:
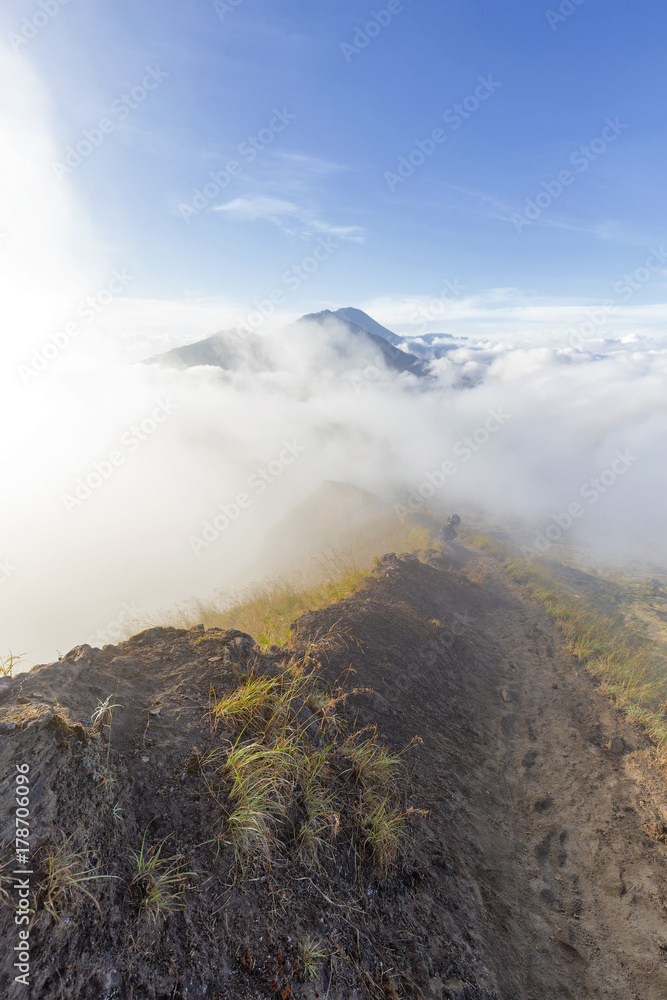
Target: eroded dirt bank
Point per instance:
(538, 872)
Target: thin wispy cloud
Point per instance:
(252, 207)
(491, 206)
(294, 220)
(512, 313)
(311, 164)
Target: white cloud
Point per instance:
(257, 206)
(143, 327)
(250, 208)
(129, 540)
(511, 313)
(310, 165)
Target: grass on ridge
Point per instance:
(288, 780)
(7, 663)
(267, 609)
(631, 669)
(64, 872)
(161, 882)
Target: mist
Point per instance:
(129, 486)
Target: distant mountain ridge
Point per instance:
(232, 351)
(393, 356)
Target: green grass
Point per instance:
(311, 955)
(280, 765)
(375, 772)
(631, 669)
(369, 761)
(255, 697)
(7, 663)
(103, 714)
(64, 875)
(383, 829)
(161, 882)
(275, 766)
(268, 704)
(289, 781)
(320, 819)
(262, 783)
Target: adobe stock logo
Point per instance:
(292, 278)
(130, 442)
(31, 26)
(379, 19)
(361, 380)
(625, 288)
(260, 480)
(465, 449)
(248, 150)
(454, 117)
(6, 570)
(592, 491)
(116, 629)
(450, 292)
(121, 108)
(580, 158)
(566, 9)
(89, 309)
(224, 7)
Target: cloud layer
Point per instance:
(114, 469)
(146, 485)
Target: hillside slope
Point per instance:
(366, 322)
(537, 871)
(392, 356)
(238, 350)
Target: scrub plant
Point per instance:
(311, 955)
(369, 761)
(7, 663)
(64, 875)
(161, 881)
(289, 781)
(383, 830)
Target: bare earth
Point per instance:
(539, 871)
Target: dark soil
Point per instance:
(537, 871)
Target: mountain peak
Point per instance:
(367, 323)
(371, 331)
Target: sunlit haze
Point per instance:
(490, 174)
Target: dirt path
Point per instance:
(550, 883)
(569, 809)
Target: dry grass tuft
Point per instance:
(476, 571)
(254, 698)
(6, 882)
(289, 781)
(161, 882)
(383, 829)
(64, 874)
(311, 955)
(7, 663)
(369, 761)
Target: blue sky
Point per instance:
(557, 81)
